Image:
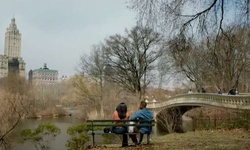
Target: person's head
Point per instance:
(143, 104)
(122, 110)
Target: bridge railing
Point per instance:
(235, 100)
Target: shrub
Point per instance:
(241, 122)
(41, 136)
(237, 124)
(78, 138)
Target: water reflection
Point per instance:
(58, 144)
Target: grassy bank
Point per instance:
(198, 140)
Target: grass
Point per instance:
(198, 140)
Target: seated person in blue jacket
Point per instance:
(144, 114)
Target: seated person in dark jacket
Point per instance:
(119, 114)
(232, 92)
(203, 90)
(144, 114)
(220, 91)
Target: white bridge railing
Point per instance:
(229, 101)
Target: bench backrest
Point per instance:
(110, 123)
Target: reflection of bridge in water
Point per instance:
(186, 102)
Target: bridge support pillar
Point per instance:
(178, 124)
(155, 131)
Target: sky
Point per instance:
(58, 32)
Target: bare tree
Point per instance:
(14, 104)
(218, 64)
(165, 69)
(213, 25)
(93, 67)
(229, 58)
(189, 59)
(131, 57)
(189, 16)
(170, 119)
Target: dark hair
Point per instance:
(143, 104)
(122, 110)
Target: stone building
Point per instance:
(12, 61)
(43, 76)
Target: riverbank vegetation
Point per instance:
(14, 104)
(211, 118)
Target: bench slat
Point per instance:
(123, 120)
(118, 125)
(97, 132)
(109, 123)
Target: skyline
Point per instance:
(58, 33)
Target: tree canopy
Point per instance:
(132, 56)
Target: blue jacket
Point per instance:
(144, 114)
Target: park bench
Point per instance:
(95, 126)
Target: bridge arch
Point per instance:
(177, 106)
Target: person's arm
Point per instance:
(115, 117)
(136, 115)
(151, 116)
(127, 116)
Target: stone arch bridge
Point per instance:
(186, 102)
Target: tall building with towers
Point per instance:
(12, 61)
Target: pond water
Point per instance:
(60, 141)
(63, 123)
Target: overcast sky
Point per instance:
(58, 32)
